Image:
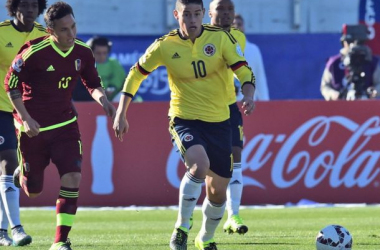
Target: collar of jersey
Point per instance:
(63, 54)
(180, 35)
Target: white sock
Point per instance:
(235, 191)
(10, 196)
(189, 193)
(212, 214)
(3, 217)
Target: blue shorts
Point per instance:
(215, 137)
(236, 121)
(8, 138)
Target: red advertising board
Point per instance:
(293, 150)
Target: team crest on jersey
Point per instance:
(188, 137)
(239, 51)
(209, 49)
(78, 63)
(2, 140)
(17, 63)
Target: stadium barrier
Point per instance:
(321, 151)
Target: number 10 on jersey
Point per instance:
(199, 68)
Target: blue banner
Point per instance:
(293, 63)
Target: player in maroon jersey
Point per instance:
(40, 83)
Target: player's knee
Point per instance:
(71, 180)
(33, 195)
(199, 167)
(217, 197)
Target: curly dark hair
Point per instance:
(12, 5)
(57, 11)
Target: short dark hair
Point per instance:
(57, 11)
(99, 41)
(12, 5)
(238, 16)
(186, 2)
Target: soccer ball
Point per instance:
(334, 237)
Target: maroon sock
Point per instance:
(66, 209)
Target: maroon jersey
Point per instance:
(46, 77)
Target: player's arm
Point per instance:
(31, 126)
(146, 64)
(14, 90)
(234, 57)
(93, 83)
(100, 97)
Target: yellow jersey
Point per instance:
(197, 72)
(11, 41)
(240, 37)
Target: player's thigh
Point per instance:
(219, 149)
(66, 149)
(187, 139)
(35, 157)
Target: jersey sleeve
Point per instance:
(17, 72)
(89, 75)
(151, 60)
(234, 56)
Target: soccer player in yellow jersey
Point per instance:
(195, 56)
(222, 14)
(13, 34)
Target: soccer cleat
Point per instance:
(178, 241)
(208, 245)
(61, 246)
(20, 238)
(16, 177)
(4, 239)
(235, 225)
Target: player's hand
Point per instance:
(31, 127)
(248, 105)
(108, 108)
(120, 126)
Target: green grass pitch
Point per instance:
(269, 229)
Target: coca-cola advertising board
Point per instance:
(326, 152)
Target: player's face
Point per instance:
(222, 13)
(27, 11)
(64, 32)
(100, 53)
(239, 24)
(190, 18)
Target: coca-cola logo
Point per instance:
(351, 165)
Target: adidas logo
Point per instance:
(10, 189)
(190, 199)
(9, 45)
(235, 182)
(216, 219)
(175, 56)
(51, 68)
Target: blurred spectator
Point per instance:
(109, 69)
(354, 73)
(255, 61)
